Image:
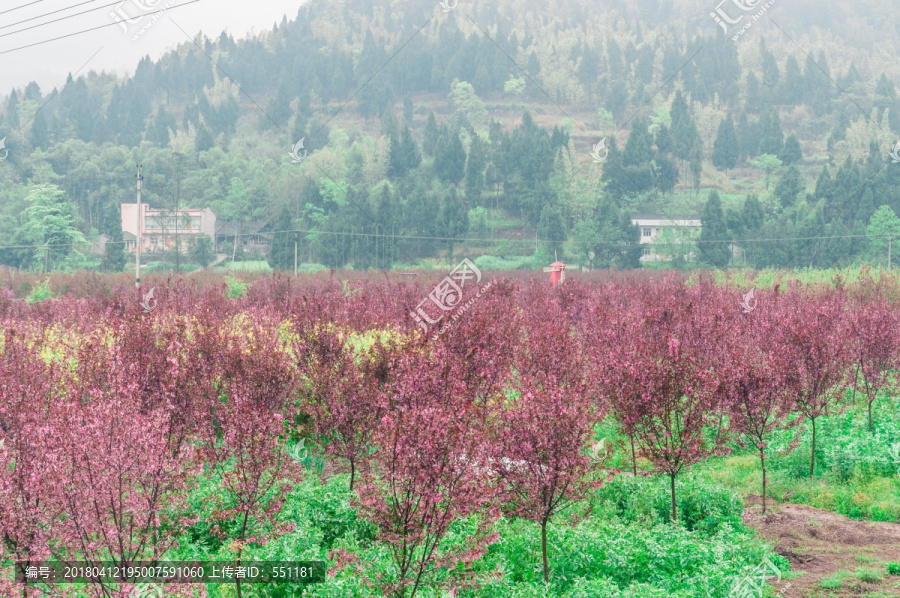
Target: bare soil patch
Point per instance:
(828, 549)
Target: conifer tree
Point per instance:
(715, 248)
(726, 147)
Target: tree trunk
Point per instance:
(240, 550)
(674, 512)
(544, 550)
(762, 461)
(812, 453)
(633, 458)
(352, 473)
(871, 428)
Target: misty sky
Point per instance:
(50, 63)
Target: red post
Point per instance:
(557, 272)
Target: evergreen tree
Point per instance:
(824, 186)
(771, 74)
(793, 85)
(715, 246)
(114, 260)
(790, 186)
(752, 215)
(281, 253)
(12, 110)
(450, 159)
(279, 107)
(772, 137)
(616, 241)
(201, 250)
(453, 220)
(475, 166)
(432, 134)
(726, 148)
(552, 228)
(204, 140)
(639, 146)
(684, 130)
(40, 135)
(791, 154)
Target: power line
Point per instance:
(18, 7)
(47, 41)
(471, 240)
(47, 14)
(78, 14)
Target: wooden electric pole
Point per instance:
(137, 255)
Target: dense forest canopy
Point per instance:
(433, 129)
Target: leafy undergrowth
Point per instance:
(857, 471)
(618, 544)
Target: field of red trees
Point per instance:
(109, 412)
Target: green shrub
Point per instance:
(612, 559)
(490, 262)
(236, 288)
(40, 293)
(701, 506)
(893, 568)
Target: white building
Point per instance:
(160, 228)
(659, 230)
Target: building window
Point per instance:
(646, 252)
(648, 232)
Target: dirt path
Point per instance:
(836, 557)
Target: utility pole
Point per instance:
(178, 157)
(137, 255)
(177, 246)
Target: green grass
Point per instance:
(869, 574)
(835, 581)
(254, 266)
(857, 472)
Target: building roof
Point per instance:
(127, 236)
(662, 221)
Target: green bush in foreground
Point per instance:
(623, 546)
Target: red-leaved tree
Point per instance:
(121, 486)
(546, 421)
(665, 379)
(817, 332)
(875, 326)
(26, 428)
(244, 438)
(429, 469)
(344, 391)
(760, 383)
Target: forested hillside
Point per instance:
(519, 130)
